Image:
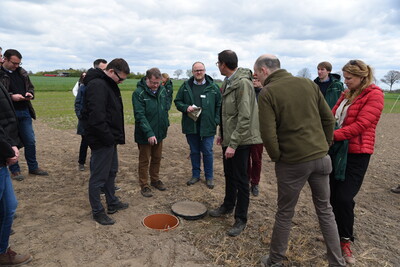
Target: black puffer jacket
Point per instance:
(103, 110)
(8, 127)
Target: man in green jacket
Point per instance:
(200, 91)
(239, 130)
(329, 83)
(151, 124)
(296, 127)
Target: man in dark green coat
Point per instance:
(151, 124)
(200, 91)
(329, 83)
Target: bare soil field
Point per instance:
(54, 220)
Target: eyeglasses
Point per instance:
(154, 83)
(119, 78)
(354, 63)
(199, 70)
(16, 63)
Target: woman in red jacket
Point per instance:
(357, 113)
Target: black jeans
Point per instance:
(237, 182)
(103, 170)
(343, 192)
(83, 150)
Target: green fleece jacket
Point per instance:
(210, 104)
(296, 123)
(151, 113)
(240, 124)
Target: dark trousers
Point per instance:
(254, 166)
(103, 170)
(237, 182)
(343, 192)
(83, 150)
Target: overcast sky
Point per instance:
(172, 34)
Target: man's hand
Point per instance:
(229, 152)
(13, 160)
(19, 97)
(152, 140)
(219, 140)
(190, 109)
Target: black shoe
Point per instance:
(38, 171)
(210, 183)
(114, 208)
(103, 219)
(193, 181)
(117, 188)
(237, 228)
(102, 191)
(159, 185)
(254, 190)
(146, 192)
(81, 167)
(219, 211)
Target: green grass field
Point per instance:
(54, 101)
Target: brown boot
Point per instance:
(11, 258)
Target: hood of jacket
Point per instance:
(95, 73)
(241, 73)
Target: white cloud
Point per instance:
(172, 34)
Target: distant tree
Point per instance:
(305, 73)
(392, 77)
(214, 75)
(189, 73)
(178, 73)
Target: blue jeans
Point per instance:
(205, 146)
(8, 205)
(27, 135)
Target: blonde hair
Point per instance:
(165, 76)
(358, 68)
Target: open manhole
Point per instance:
(160, 221)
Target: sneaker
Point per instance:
(81, 167)
(266, 262)
(219, 211)
(11, 258)
(254, 190)
(396, 189)
(38, 171)
(17, 176)
(114, 208)
(210, 183)
(346, 251)
(159, 185)
(103, 219)
(237, 228)
(192, 181)
(146, 191)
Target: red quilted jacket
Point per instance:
(361, 120)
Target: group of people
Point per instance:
(315, 132)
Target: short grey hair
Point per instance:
(270, 62)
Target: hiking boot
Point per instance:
(254, 190)
(219, 211)
(11, 258)
(210, 183)
(81, 167)
(346, 251)
(17, 176)
(396, 189)
(103, 219)
(146, 192)
(266, 262)
(192, 181)
(237, 228)
(114, 208)
(38, 171)
(159, 185)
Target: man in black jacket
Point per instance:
(16, 80)
(104, 130)
(9, 143)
